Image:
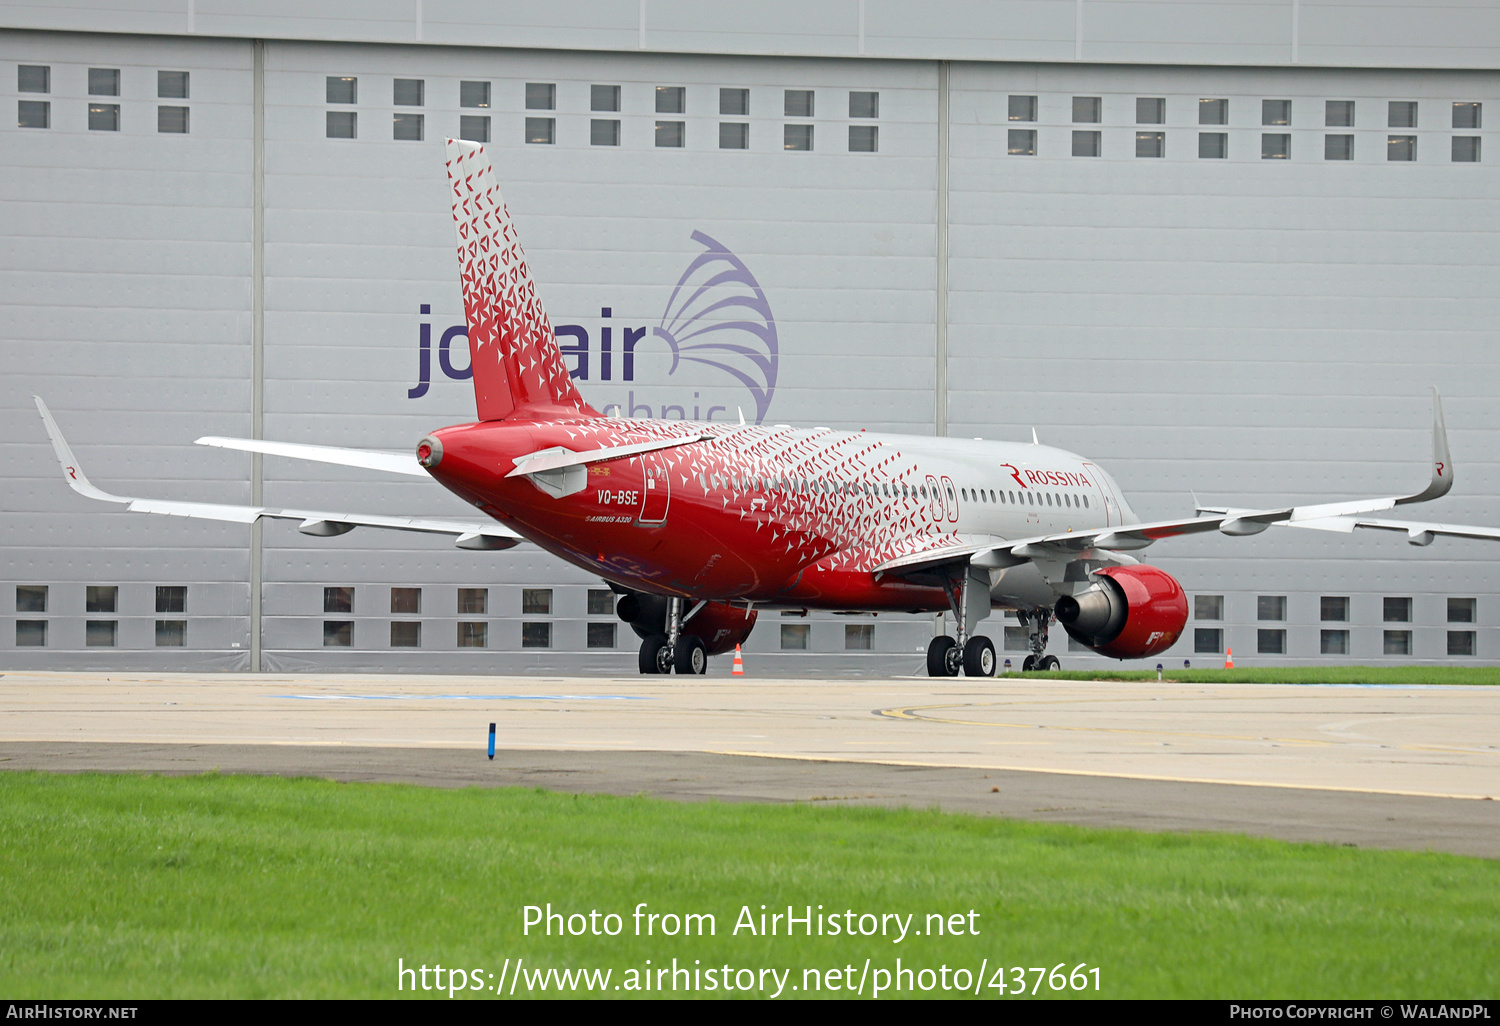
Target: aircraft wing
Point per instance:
(467, 535)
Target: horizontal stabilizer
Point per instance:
(368, 459)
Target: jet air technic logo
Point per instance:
(717, 330)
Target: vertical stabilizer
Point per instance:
(511, 345)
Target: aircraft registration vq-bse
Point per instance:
(695, 525)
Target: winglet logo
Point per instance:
(716, 317)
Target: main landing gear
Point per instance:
(674, 651)
(1036, 623)
(969, 599)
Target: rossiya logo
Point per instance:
(716, 336)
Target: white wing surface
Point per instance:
(467, 535)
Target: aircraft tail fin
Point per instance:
(513, 351)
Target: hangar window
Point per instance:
(604, 132)
(408, 92)
(1270, 642)
(101, 633)
(1017, 639)
(338, 600)
(473, 94)
(864, 138)
(1396, 610)
(859, 637)
(406, 634)
(407, 127)
(1334, 642)
(406, 601)
(104, 81)
(1270, 607)
(536, 635)
(734, 136)
(1021, 142)
(604, 98)
(1213, 112)
(104, 117)
(100, 598)
(1086, 144)
(864, 105)
(794, 636)
(1338, 113)
(31, 633)
(338, 633)
(1338, 147)
(171, 633)
(671, 100)
(341, 124)
(798, 103)
(601, 602)
(1276, 112)
(342, 89)
(172, 120)
(32, 598)
(171, 598)
(1208, 607)
(1150, 144)
(1151, 110)
(734, 103)
(33, 78)
(670, 134)
(172, 85)
(473, 635)
(1208, 639)
(33, 114)
(1022, 108)
(601, 635)
(1402, 114)
(536, 601)
(1467, 114)
(1466, 149)
(541, 131)
(541, 96)
(797, 137)
(1397, 643)
(1213, 145)
(1087, 110)
(474, 127)
(1460, 610)
(1334, 608)
(1401, 147)
(1460, 643)
(1275, 146)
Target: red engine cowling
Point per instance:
(1130, 612)
(721, 626)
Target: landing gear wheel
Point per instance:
(979, 657)
(1049, 663)
(942, 657)
(691, 655)
(1028, 664)
(656, 654)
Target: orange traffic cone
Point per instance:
(739, 664)
(1229, 659)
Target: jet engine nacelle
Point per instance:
(721, 626)
(1130, 612)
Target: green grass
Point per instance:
(1289, 674)
(219, 886)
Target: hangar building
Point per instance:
(1220, 248)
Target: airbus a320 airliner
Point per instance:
(696, 525)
